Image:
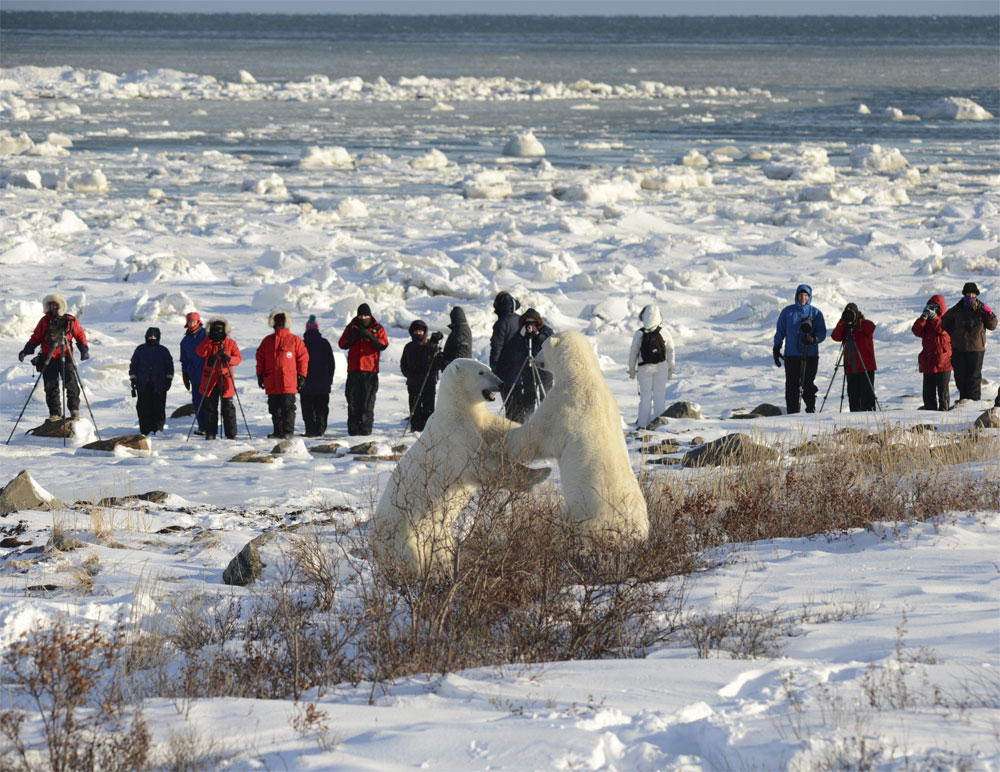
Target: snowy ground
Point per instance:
(719, 240)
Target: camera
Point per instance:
(806, 324)
(436, 337)
(530, 329)
(217, 332)
(850, 316)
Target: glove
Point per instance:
(301, 381)
(928, 313)
(22, 354)
(187, 382)
(810, 339)
(169, 381)
(631, 373)
(131, 381)
(777, 356)
(260, 381)
(224, 357)
(987, 310)
(84, 352)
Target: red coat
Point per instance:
(74, 331)
(935, 356)
(209, 348)
(363, 353)
(864, 349)
(281, 358)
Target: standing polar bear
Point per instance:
(457, 452)
(579, 424)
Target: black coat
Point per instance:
(416, 363)
(459, 342)
(151, 364)
(504, 360)
(519, 354)
(319, 376)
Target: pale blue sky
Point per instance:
(544, 7)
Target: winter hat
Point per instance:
(220, 321)
(970, 287)
(59, 300)
(279, 319)
(312, 324)
(650, 317)
(531, 316)
(457, 317)
(418, 324)
(153, 333)
(364, 310)
(192, 320)
(853, 307)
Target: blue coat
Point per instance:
(505, 360)
(319, 377)
(790, 320)
(151, 363)
(192, 365)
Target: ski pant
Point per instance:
(421, 403)
(968, 367)
(210, 406)
(50, 379)
(360, 391)
(936, 390)
(861, 391)
(195, 399)
(652, 391)
(315, 413)
(282, 410)
(796, 372)
(151, 407)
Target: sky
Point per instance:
(542, 7)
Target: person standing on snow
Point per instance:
(193, 365)
(528, 382)
(857, 335)
(459, 342)
(503, 341)
(420, 370)
(934, 360)
(365, 339)
(282, 364)
(150, 373)
(651, 360)
(315, 393)
(801, 328)
(221, 355)
(56, 331)
(967, 322)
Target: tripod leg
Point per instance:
(79, 383)
(25, 406)
(201, 400)
(235, 391)
(840, 356)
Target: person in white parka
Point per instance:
(651, 359)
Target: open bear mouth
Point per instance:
(488, 395)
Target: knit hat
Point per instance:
(364, 310)
(192, 320)
(312, 324)
(417, 324)
(969, 288)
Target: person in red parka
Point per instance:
(935, 355)
(365, 339)
(221, 355)
(856, 333)
(282, 364)
(54, 331)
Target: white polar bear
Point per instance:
(579, 424)
(457, 452)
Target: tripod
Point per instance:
(849, 352)
(61, 345)
(211, 379)
(536, 378)
(430, 369)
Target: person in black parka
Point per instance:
(459, 342)
(504, 361)
(528, 383)
(150, 373)
(315, 392)
(420, 369)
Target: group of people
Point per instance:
(953, 339)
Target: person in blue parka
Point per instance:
(150, 372)
(193, 365)
(801, 328)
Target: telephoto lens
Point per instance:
(806, 325)
(849, 316)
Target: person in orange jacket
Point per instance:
(857, 335)
(221, 355)
(282, 365)
(365, 339)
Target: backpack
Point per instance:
(652, 350)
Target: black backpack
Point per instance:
(652, 350)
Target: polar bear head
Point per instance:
(569, 355)
(467, 381)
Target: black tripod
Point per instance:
(430, 369)
(849, 352)
(536, 377)
(61, 345)
(211, 379)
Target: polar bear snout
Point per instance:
(494, 386)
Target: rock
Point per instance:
(923, 428)
(988, 420)
(252, 457)
(282, 446)
(682, 410)
(667, 446)
(391, 457)
(247, 567)
(766, 409)
(64, 543)
(183, 410)
(24, 493)
(663, 461)
(12, 541)
(697, 440)
(658, 422)
(156, 497)
(733, 449)
(365, 448)
(744, 416)
(333, 447)
(131, 441)
(61, 428)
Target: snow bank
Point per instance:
(432, 159)
(313, 157)
(268, 186)
(676, 179)
(954, 109)
(490, 183)
(15, 142)
(163, 267)
(599, 192)
(523, 146)
(877, 158)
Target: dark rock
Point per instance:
(745, 416)
(156, 497)
(132, 441)
(667, 446)
(252, 457)
(247, 567)
(766, 409)
(663, 461)
(658, 422)
(333, 447)
(183, 411)
(23, 493)
(12, 541)
(697, 440)
(64, 543)
(365, 448)
(733, 449)
(988, 420)
(922, 428)
(682, 410)
(61, 428)
(391, 457)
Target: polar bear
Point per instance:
(579, 424)
(457, 452)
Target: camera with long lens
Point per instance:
(806, 325)
(849, 317)
(217, 332)
(530, 329)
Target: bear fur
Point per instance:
(456, 454)
(579, 424)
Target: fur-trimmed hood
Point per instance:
(288, 319)
(54, 298)
(216, 319)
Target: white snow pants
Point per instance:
(652, 391)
